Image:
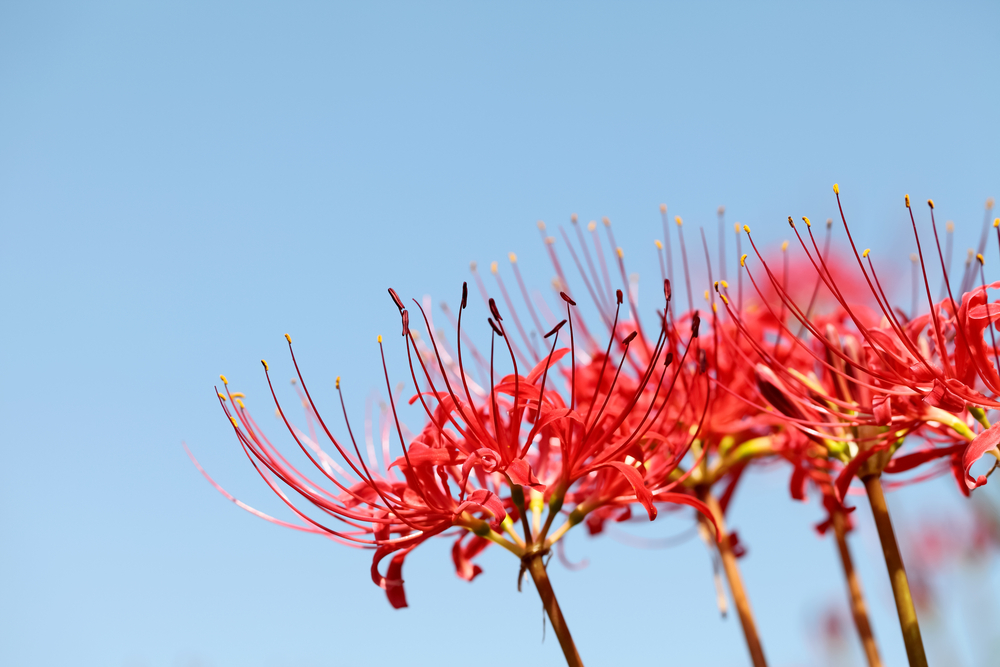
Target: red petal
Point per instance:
(911, 461)
(520, 473)
(392, 582)
(983, 443)
(642, 494)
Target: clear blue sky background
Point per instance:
(182, 183)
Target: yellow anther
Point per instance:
(678, 220)
(238, 394)
(930, 202)
(549, 240)
(663, 208)
(224, 380)
(914, 258)
(621, 253)
(607, 223)
(736, 228)
(472, 266)
(784, 246)
(979, 256)
(724, 299)
(989, 202)
(706, 295)
(949, 226)
(865, 253)
(659, 246)
(221, 396)
(380, 339)
(722, 210)
(337, 385)
(591, 226)
(743, 260)
(790, 223)
(724, 284)
(240, 403)
(907, 201)
(573, 218)
(836, 189)
(541, 225)
(715, 307)
(806, 220)
(996, 222)
(493, 268)
(235, 423)
(716, 285)
(512, 257)
(288, 338)
(746, 228)
(266, 368)
(829, 222)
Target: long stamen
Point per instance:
(604, 363)
(739, 275)
(993, 335)
(722, 242)
(666, 240)
(687, 274)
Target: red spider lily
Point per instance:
(874, 384)
(469, 466)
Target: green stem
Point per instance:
(536, 566)
(897, 573)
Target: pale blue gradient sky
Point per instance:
(182, 183)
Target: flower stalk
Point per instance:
(897, 573)
(859, 610)
(536, 566)
(732, 569)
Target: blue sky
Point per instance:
(182, 183)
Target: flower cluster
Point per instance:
(806, 363)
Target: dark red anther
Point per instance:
(695, 323)
(493, 309)
(667, 292)
(406, 321)
(565, 297)
(396, 299)
(465, 294)
(496, 329)
(620, 296)
(669, 360)
(555, 329)
(629, 338)
(702, 360)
